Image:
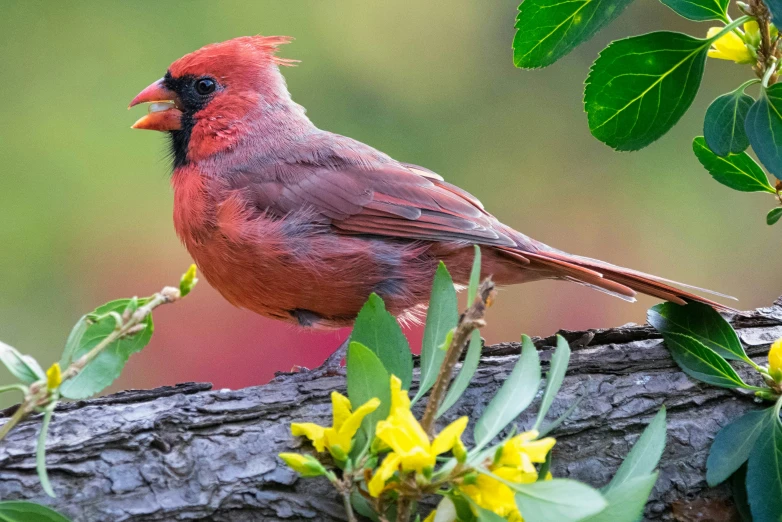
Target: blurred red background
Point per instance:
(85, 204)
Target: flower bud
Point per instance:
(305, 465)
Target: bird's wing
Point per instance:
(385, 199)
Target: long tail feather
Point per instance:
(618, 281)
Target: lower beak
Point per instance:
(164, 113)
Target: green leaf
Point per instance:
(23, 367)
(563, 500)
(644, 456)
(475, 276)
(626, 502)
(441, 318)
(733, 444)
(362, 506)
(775, 7)
(699, 321)
(764, 473)
(40, 451)
(773, 215)
(462, 380)
(562, 418)
(554, 378)
(699, 10)
(367, 378)
(764, 128)
(738, 487)
(723, 125)
(90, 331)
(737, 171)
(22, 511)
(379, 331)
(639, 87)
(484, 515)
(702, 363)
(513, 397)
(547, 30)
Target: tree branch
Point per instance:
(188, 453)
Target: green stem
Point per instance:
(746, 84)
(13, 421)
(769, 72)
(728, 28)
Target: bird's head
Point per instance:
(210, 97)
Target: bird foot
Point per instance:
(331, 367)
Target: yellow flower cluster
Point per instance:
(514, 463)
(733, 47)
(339, 438)
(410, 450)
(410, 447)
(775, 360)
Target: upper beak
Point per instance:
(164, 113)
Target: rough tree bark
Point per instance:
(190, 453)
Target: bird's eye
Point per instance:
(204, 86)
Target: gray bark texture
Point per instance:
(187, 452)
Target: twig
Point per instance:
(469, 321)
(40, 396)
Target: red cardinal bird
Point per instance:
(302, 225)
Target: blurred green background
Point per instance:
(85, 202)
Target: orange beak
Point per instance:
(164, 108)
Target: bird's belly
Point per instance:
(302, 272)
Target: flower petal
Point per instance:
(341, 408)
(386, 470)
(447, 438)
(312, 431)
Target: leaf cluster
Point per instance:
(749, 448)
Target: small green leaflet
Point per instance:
(367, 378)
(462, 381)
(701, 322)
(473, 356)
(513, 397)
(773, 215)
(737, 171)
(547, 30)
(379, 331)
(764, 128)
(441, 318)
(645, 454)
(107, 366)
(40, 451)
(23, 367)
(733, 444)
(563, 500)
(554, 378)
(626, 502)
(764, 472)
(22, 511)
(639, 87)
(699, 10)
(702, 363)
(723, 125)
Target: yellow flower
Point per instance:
(410, 447)
(306, 465)
(775, 359)
(752, 33)
(53, 377)
(522, 450)
(729, 46)
(339, 438)
(515, 464)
